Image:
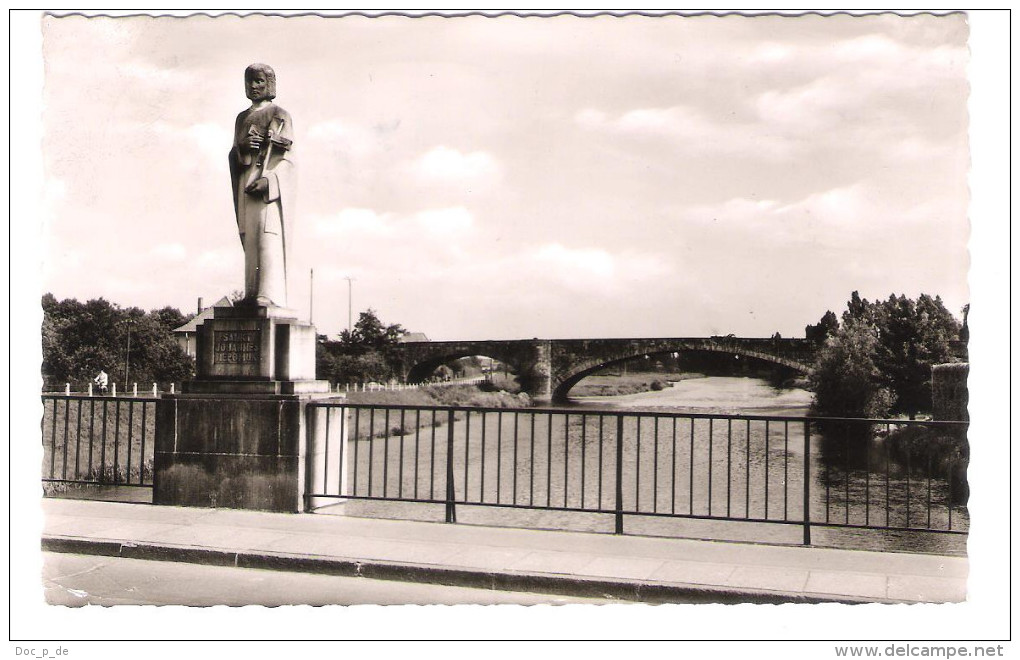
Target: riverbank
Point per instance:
(632, 383)
(448, 395)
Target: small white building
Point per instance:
(186, 333)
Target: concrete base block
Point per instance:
(241, 451)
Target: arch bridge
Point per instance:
(548, 368)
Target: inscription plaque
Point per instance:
(236, 346)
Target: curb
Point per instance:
(547, 583)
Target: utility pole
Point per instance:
(311, 294)
(127, 357)
(350, 304)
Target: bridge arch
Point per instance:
(566, 378)
(420, 359)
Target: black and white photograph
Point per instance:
(620, 316)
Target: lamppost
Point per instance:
(350, 304)
(127, 356)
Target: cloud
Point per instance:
(445, 221)
(444, 164)
(688, 128)
(354, 221)
(355, 140)
(169, 252)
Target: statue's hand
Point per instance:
(255, 142)
(258, 187)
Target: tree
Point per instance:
(913, 336)
(845, 379)
(79, 339)
(824, 329)
(366, 353)
(896, 341)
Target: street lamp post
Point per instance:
(127, 358)
(350, 304)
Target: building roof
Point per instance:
(207, 313)
(413, 336)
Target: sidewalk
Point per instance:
(629, 568)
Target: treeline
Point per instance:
(877, 358)
(364, 354)
(81, 338)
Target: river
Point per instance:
(681, 473)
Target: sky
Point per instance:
(521, 177)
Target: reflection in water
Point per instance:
(861, 474)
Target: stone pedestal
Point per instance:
(237, 435)
(253, 349)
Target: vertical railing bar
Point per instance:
(102, 447)
(417, 449)
(602, 419)
(949, 494)
(325, 463)
(566, 456)
(53, 440)
(116, 440)
(729, 461)
(531, 465)
(908, 487)
(357, 433)
(747, 471)
(786, 470)
(867, 483)
(548, 462)
(130, 439)
(92, 434)
(767, 433)
(77, 442)
(386, 452)
(481, 487)
(141, 448)
(371, 447)
(432, 460)
(690, 500)
(655, 466)
(619, 475)
(828, 487)
(499, 456)
(343, 448)
(637, 466)
(711, 441)
(451, 492)
(516, 442)
(672, 481)
(400, 465)
(584, 442)
(807, 482)
(67, 416)
(887, 452)
(467, 450)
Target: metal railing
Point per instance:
(97, 441)
(808, 472)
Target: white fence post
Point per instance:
(67, 389)
(134, 389)
(113, 392)
(172, 386)
(90, 389)
(155, 390)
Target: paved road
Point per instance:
(77, 580)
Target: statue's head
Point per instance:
(260, 82)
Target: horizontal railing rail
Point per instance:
(803, 471)
(97, 441)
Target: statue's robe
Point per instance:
(264, 221)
